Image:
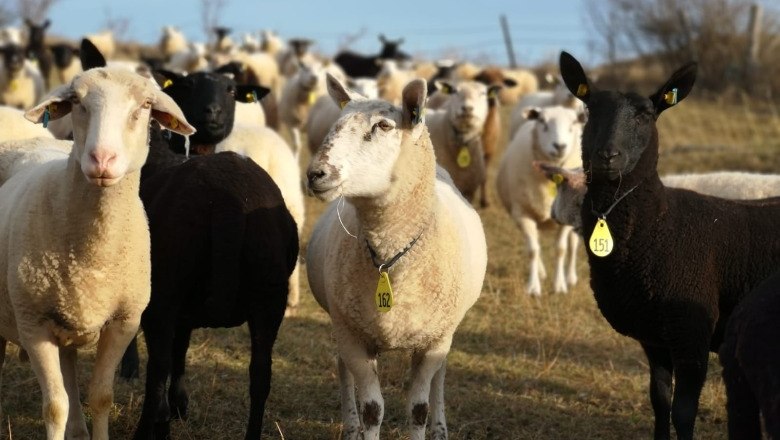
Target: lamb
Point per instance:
(324, 113)
(456, 133)
(298, 96)
(551, 134)
(21, 83)
(36, 48)
(420, 234)
(66, 282)
(361, 66)
(750, 356)
(733, 185)
(667, 265)
(267, 149)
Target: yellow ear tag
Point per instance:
(312, 98)
(492, 94)
(13, 85)
(384, 293)
(671, 96)
(343, 104)
(464, 157)
(582, 90)
(553, 189)
(167, 83)
(600, 242)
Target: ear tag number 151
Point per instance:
(600, 242)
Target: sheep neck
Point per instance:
(391, 221)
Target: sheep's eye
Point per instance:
(384, 125)
(231, 91)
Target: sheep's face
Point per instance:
(556, 131)
(621, 126)
(13, 57)
(63, 55)
(110, 109)
(310, 79)
(358, 156)
(209, 103)
(570, 192)
(467, 105)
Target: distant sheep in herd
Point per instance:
(424, 238)
(674, 299)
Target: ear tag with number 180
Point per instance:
(384, 293)
(600, 242)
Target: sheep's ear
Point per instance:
(676, 88)
(574, 77)
(90, 56)
(413, 103)
(340, 95)
(57, 103)
(169, 115)
(532, 113)
(166, 78)
(444, 87)
(246, 93)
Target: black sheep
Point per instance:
(750, 356)
(36, 48)
(679, 261)
(361, 66)
(223, 248)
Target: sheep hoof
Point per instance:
(572, 280)
(534, 290)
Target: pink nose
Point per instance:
(102, 160)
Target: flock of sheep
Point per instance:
(173, 169)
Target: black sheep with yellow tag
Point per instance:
(678, 262)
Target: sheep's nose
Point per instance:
(315, 174)
(213, 109)
(608, 154)
(102, 160)
(559, 146)
(467, 108)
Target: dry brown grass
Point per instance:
(520, 367)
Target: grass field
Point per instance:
(520, 367)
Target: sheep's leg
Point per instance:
(528, 226)
(349, 412)
(76, 427)
(111, 346)
(574, 242)
(689, 377)
(296, 140)
(362, 365)
(743, 410)
(425, 365)
(264, 322)
(45, 362)
(295, 293)
(438, 420)
(661, 369)
(178, 400)
(560, 263)
(130, 361)
(155, 415)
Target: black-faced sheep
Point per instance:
(750, 356)
(36, 48)
(667, 265)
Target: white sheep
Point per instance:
(262, 67)
(421, 234)
(559, 95)
(78, 270)
(172, 41)
(391, 80)
(324, 113)
(15, 126)
(19, 154)
(191, 59)
(249, 113)
(551, 134)
(298, 96)
(456, 133)
(735, 185)
(267, 149)
(21, 83)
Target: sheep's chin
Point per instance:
(328, 194)
(104, 182)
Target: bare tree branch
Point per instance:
(210, 14)
(35, 10)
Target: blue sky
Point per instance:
(432, 28)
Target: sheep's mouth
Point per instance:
(326, 193)
(103, 181)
